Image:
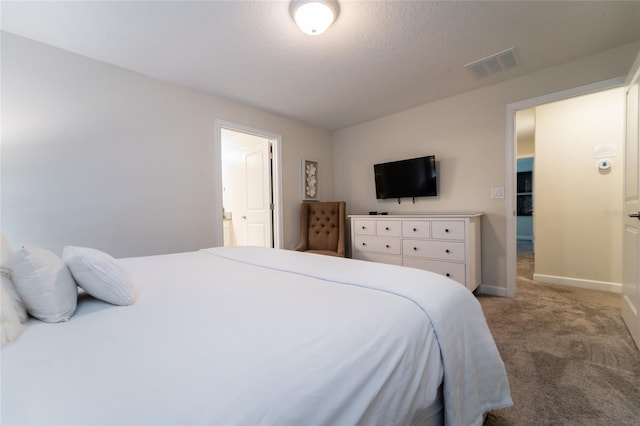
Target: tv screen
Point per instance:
(415, 177)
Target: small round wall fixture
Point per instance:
(313, 17)
(604, 165)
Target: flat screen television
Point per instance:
(415, 177)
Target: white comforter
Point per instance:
(244, 336)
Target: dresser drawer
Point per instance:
(377, 244)
(455, 271)
(378, 257)
(415, 228)
(447, 229)
(388, 228)
(434, 249)
(364, 227)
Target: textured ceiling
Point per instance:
(380, 57)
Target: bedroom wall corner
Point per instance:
(95, 155)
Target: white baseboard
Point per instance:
(490, 290)
(578, 282)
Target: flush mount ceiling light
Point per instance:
(314, 16)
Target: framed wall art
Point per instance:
(309, 180)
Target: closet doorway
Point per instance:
(249, 195)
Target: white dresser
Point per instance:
(448, 244)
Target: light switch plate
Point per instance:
(497, 192)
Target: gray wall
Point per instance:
(95, 155)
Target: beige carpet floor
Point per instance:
(568, 355)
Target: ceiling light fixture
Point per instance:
(314, 16)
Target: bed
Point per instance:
(255, 336)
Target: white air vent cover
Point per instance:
(493, 63)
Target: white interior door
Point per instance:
(631, 222)
(258, 192)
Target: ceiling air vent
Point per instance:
(493, 63)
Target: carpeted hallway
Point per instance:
(569, 357)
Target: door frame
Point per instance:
(276, 178)
(510, 178)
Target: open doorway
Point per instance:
(567, 208)
(247, 184)
(250, 191)
(525, 195)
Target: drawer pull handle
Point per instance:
(387, 246)
(364, 227)
(364, 244)
(386, 228)
(415, 229)
(446, 230)
(447, 251)
(448, 274)
(415, 248)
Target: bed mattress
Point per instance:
(249, 336)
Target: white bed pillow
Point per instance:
(44, 284)
(12, 313)
(100, 275)
(6, 253)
